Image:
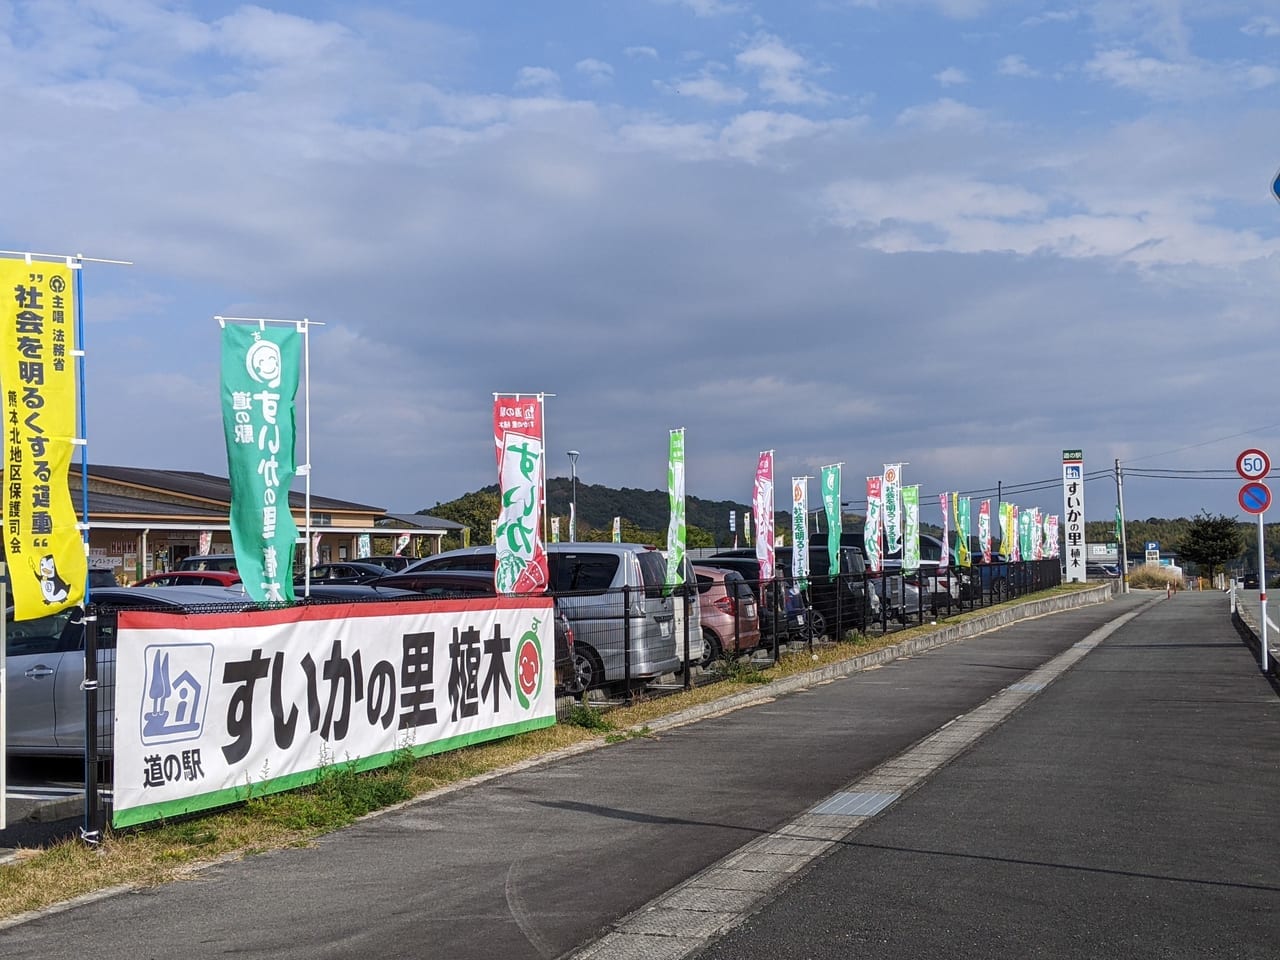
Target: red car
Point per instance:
(196, 578)
(723, 598)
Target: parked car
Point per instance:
(392, 563)
(191, 578)
(844, 601)
(445, 584)
(102, 577)
(1251, 580)
(1100, 571)
(45, 666)
(792, 622)
(730, 615)
(329, 591)
(210, 561)
(589, 580)
(346, 571)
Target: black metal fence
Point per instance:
(615, 645)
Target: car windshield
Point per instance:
(572, 572)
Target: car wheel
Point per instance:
(816, 625)
(588, 670)
(999, 589)
(711, 649)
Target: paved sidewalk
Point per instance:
(536, 863)
(1128, 811)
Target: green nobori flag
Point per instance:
(911, 528)
(835, 519)
(259, 381)
(676, 530)
(800, 531)
(962, 511)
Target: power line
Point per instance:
(1202, 443)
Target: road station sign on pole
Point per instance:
(1253, 464)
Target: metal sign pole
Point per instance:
(1262, 593)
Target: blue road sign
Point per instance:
(1275, 186)
(1255, 497)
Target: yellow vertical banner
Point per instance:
(47, 563)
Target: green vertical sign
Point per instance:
(911, 528)
(835, 518)
(259, 382)
(676, 524)
(963, 508)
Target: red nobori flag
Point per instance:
(517, 437)
(762, 508)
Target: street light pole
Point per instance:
(573, 503)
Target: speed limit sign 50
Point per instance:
(1253, 464)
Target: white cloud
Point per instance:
(750, 134)
(706, 86)
(1262, 27)
(265, 36)
(1183, 79)
(1052, 16)
(943, 114)
(929, 199)
(597, 71)
(780, 71)
(708, 8)
(641, 53)
(1015, 65)
(953, 9)
(951, 77)
(537, 78)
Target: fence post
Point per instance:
(91, 832)
(688, 667)
(839, 605)
(626, 642)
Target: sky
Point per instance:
(959, 234)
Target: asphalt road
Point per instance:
(536, 863)
(1128, 811)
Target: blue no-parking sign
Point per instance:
(1255, 497)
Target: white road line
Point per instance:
(687, 917)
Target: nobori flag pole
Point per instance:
(303, 327)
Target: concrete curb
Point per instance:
(1246, 622)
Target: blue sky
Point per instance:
(964, 234)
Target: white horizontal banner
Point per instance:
(211, 709)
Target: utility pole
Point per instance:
(1124, 540)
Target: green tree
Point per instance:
(1210, 541)
(474, 510)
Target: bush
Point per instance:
(1152, 576)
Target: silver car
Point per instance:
(45, 666)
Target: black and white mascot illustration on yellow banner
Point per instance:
(52, 587)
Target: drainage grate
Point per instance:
(855, 804)
(1027, 687)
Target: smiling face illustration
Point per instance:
(263, 362)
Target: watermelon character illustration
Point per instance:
(528, 666)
